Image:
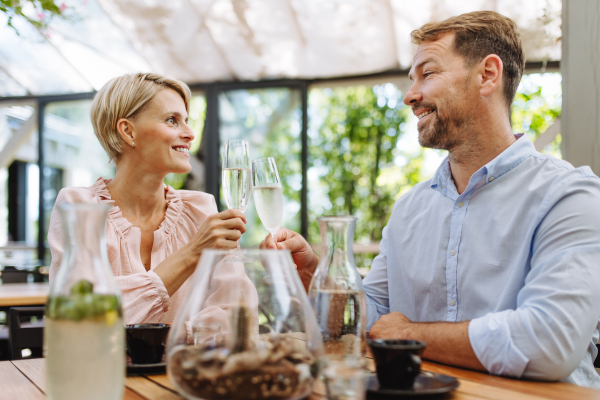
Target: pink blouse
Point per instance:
(145, 298)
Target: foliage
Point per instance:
(37, 12)
(537, 104)
(356, 166)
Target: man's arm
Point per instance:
(447, 342)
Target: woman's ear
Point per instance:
(127, 131)
(490, 69)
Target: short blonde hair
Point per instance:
(126, 97)
(477, 35)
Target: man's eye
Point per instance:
(426, 74)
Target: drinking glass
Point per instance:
(268, 198)
(236, 177)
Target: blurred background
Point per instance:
(316, 84)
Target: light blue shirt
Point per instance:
(517, 254)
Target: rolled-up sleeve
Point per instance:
(376, 285)
(558, 308)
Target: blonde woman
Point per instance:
(155, 234)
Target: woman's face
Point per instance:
(161, 134)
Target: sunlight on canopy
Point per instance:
(222, 40)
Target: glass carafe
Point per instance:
(84, 336)
(245, 331)
(337, 293)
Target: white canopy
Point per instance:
(223, 40)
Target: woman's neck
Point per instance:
(138, 192)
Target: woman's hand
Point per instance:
(219, 231)
(304, 257)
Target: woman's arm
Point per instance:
(219, 231)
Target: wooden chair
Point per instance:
(25, 335)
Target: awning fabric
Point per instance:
(222, 40)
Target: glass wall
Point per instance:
(72, 154)
(271, 121)
(363, 153)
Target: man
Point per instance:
(495, 261)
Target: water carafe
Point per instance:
(337, 293)
(84, 336)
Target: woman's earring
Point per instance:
(132, 144)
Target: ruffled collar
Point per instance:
(115, 216)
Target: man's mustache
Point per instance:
(421, 105)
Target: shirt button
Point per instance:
(453, 252)
(491, 178)
(452, 303)
(460, 204)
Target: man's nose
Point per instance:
(412, 96)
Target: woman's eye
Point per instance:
(171, 120)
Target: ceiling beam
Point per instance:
(17, 139)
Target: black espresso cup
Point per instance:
(397, 361)
(146, 342)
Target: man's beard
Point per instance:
(444, 132)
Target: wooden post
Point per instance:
(580, 68)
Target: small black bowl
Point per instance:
(397, 361)
(146, 343)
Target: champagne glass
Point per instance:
(268, 198)
(236, 179)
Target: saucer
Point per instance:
(426, 383)
(136, 369)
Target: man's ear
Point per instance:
(127, 130)
(490, 73)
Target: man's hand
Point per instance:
(391, 326)
(304, 257)
(447, 342)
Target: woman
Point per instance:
(155, 234)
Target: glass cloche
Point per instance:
(245, 331)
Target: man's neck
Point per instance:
(480, 148)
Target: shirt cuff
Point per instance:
(493, 345)
(159, 285)
(372, 313)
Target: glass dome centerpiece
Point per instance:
(245, 331)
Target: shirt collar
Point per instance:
(510, 158)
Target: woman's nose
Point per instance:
(187, 133)
(412, 96)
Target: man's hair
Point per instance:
(126, 97)
(477, 35)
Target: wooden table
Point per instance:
(25, 380)
(23, 294)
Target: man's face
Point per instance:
(442, 95)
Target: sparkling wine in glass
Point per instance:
(268, 198)
(236, 175)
